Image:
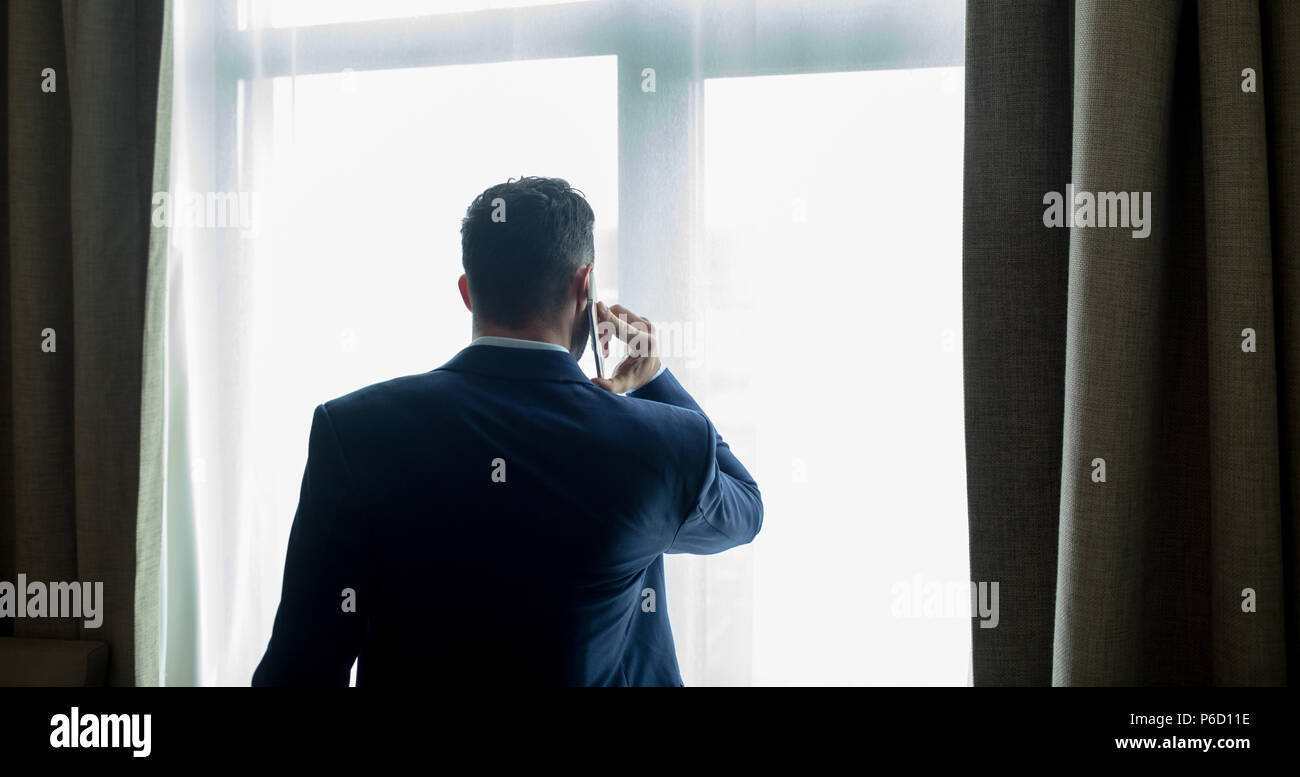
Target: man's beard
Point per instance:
(578, 340)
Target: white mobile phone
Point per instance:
(591, 318)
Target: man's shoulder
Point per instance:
(651, 418)
(373, 409)
(380, 396)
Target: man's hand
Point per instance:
(642, 360)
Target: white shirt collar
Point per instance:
(514, 342)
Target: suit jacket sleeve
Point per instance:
(727, 510)
(315, 639)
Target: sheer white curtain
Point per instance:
(822, 334)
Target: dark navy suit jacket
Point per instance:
(500, 520)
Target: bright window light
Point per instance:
(832, 211)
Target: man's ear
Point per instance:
(584, 278)
(464, 291)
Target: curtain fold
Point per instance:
(150, 587)
(80, 147)
(1281, 54)
(1118, 306)
(1014, 276)
(1156, 543)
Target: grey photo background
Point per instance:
(1088, 343)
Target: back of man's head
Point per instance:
(521, 244)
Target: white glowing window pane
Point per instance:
(833, 219)
(364, 178)
(371, 174)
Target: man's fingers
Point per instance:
(604, 316)
(638, 321)
(622, 316)
(632, 329)
(624, 327)
(642, 355)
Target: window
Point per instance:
(833, 267)
(775, 174)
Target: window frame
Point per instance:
(660, 133)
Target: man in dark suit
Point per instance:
(502, 519)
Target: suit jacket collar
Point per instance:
(517, 364)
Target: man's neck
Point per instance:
(536, 334)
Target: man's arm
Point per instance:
(315, 641)
(729, 509)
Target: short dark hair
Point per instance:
(520, 265)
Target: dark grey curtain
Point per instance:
(1089, 344)
(77, 193)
